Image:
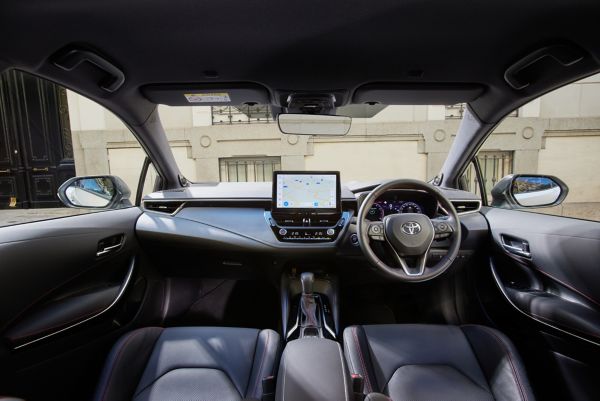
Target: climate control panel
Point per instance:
(305, 231)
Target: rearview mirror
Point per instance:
(314, 124)
(97, 192)
(529, 190)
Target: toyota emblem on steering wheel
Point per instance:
(411, 228)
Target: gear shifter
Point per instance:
(308, 301)
(307, 279)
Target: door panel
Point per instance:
(547, 267)
(542, 287)
(40, 257)
(65, 301)
(51, 275)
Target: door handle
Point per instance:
(110, 244)
(516, 246)
(107, 250)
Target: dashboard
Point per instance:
(402, 201)
(243, 218)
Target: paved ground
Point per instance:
(16, 216)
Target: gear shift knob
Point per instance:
(307, 279)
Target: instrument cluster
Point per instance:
(382, 208)
(402, 201)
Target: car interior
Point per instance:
(311, 285)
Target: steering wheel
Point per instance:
(409, 236)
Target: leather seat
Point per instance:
(189, 363)
(430, 362)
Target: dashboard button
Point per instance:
(282, 231)
(330, 231)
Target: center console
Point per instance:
(309, 306)
(313, 367)
(306, 206)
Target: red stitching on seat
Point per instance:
(362, 361)
(262, 359)
(128, 339)
(512, 366)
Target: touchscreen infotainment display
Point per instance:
(306, 190)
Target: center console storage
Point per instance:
(313, 369)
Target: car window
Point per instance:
(244, 143)
(48, 135)
(557, 135)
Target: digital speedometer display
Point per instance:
(382, 208)
(410, 207)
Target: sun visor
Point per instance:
(207, 94)
(416, 94)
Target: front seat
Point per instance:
(189, 363)
(419, 362)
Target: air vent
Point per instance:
(466, 206)
(168, 207)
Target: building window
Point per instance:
(456, 111)
(244, 114)
(494, 166)
(248, 169)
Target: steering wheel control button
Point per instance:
(376, 229)
(375, 232)
(442, 230)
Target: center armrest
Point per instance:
(313, 369)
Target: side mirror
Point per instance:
(529, 190)
(96, 192)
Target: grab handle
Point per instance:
(73, 58)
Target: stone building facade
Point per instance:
(557, 134)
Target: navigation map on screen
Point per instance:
(306, 191)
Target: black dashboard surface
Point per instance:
(232, 217)
(221, 228)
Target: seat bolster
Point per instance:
(266, 360)
(125, 364)
(357, 353)
(500, 363)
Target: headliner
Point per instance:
(299, 45)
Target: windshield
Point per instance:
(244, 144)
